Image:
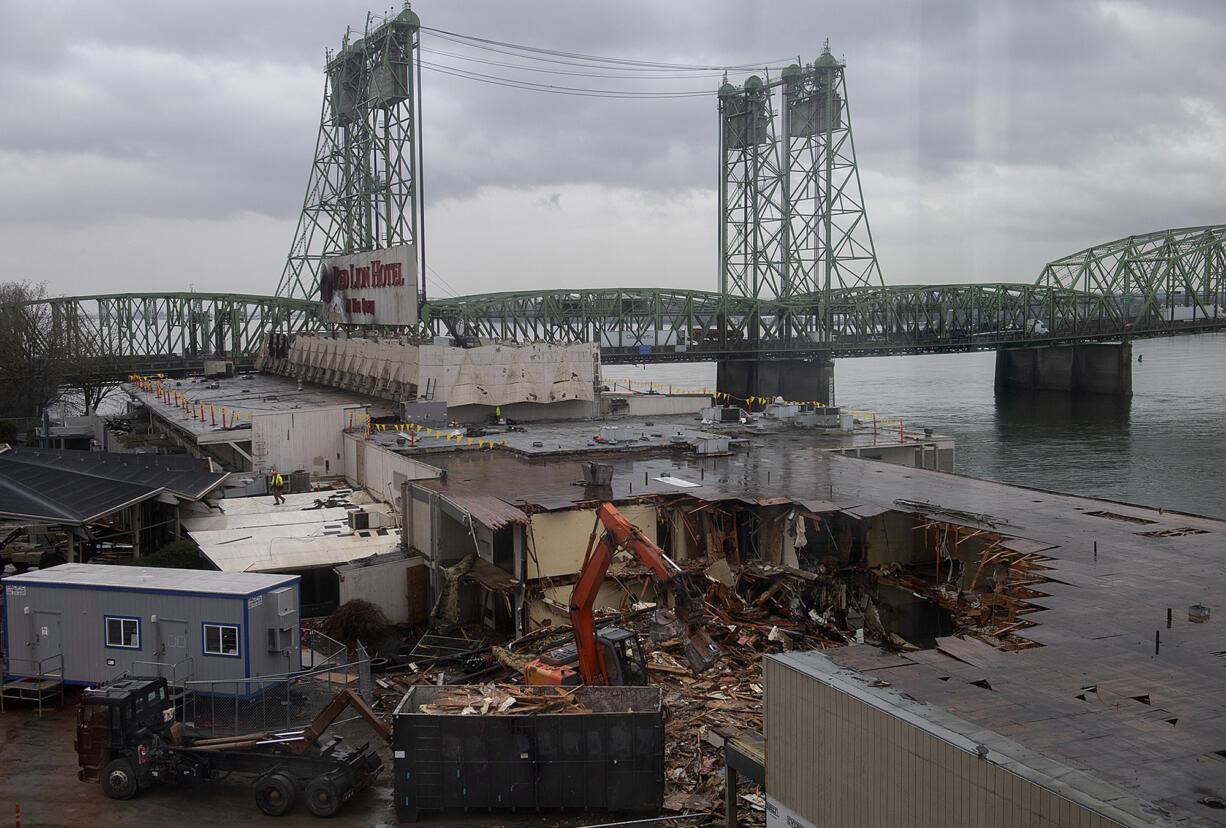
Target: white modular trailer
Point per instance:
(87, 623)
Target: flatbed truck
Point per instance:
(128, 739)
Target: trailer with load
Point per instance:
(128, 739)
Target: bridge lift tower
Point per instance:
(793, 228)
(364, 190)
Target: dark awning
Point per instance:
(76, 487)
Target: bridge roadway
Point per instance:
(1160, 284)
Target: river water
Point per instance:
(1166, 446)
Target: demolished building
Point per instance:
(916, 584)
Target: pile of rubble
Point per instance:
(978, 583)
(504, 699)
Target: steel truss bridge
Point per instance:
(1159, 284)
(798, 276)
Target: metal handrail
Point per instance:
(40, 673)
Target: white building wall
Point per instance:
(380, 470)
(557, 540)
(384, 584)
(309, 439)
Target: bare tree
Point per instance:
(31, 374)
(47, 355)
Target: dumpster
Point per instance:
(611, 758)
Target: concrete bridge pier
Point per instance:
(1092, 368)
(796, 380)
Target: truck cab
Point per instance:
(117, 726)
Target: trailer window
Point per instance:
(220, 639)
(123, 632)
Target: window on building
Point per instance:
(123, 632)
(220, 639)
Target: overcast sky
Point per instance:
(149, 146)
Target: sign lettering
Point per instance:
(374, 288)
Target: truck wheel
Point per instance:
(274, 794)
(322, 796)
(119, 779)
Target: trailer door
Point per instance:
(48, 647)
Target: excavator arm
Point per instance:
(325, 718)
(688, 597)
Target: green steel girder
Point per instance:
(1168, 276)
(120, 333)
(662, 325)
(792, 214)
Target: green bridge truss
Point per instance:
(1158, 284)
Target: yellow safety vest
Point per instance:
(277, 481)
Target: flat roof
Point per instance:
(1110, 800)
(636, 434)
(152, 578)
(780, 466)
(309, 530)
(253, 394)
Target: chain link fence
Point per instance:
(277, 703)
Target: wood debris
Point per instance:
(504, 700)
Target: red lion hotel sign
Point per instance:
(378, 287)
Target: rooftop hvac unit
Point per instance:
(359, 519)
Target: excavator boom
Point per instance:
(688, 597)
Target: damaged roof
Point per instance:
(1110, 690)
(487, 510)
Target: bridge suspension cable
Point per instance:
(530, 59)
(579, 59)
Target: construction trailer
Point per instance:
(88, 623)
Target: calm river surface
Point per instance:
(1164, 447)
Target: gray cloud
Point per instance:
(998, 127)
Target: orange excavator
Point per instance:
(612, 655)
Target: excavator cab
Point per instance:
(619, 648)
(623, 656)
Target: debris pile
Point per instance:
(355, 621)
(504, 699)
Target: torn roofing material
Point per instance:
(487, 510)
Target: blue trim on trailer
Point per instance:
(147, 591)
(238, 639)
(246, 651)
(105, 619)
(7, 652)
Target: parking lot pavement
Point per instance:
(38, 772)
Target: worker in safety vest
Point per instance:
(277, 483)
